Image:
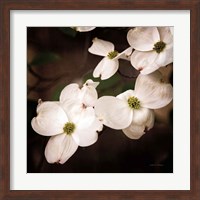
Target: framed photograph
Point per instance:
(100, 100)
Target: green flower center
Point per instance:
(159, 46)
(112, 54)
(69, 128)
(134, 103)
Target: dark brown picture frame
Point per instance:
(7, 5)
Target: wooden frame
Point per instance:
(6, 6)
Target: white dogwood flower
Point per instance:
(109, 65)
(84, 28)
(70, 126)
(153, 48)
(132, 110)
(71, 121)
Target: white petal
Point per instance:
(125, 54)
(165, 35)
(79, 114)
(144, 61)
(85, 137)
(99, 68)
(159, 97)
(143, 38)
(135, 131)
(164, 58)
(60, 148)
(101, 47)
(113, 112)
(146, 80)
(84, 28)
(71, 91)
(72, 108)
(126, 95)
(88, 136)
(50, 119)
(150, 121)
(98, 125)
(152, 91)
(141, 116)
(90, 82)
(88, 95)
(85, 118)
(106, 68)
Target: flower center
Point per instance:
(134, 103)
(112, 54)
(69, 128)
(159, 46)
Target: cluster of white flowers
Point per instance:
(79, 115)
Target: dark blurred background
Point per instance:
(58, 56)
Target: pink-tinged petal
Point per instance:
(113, 112)
(144, 61)
(84, 28)
(165, 57)
(71, 91)
(106, 68)
(150, 69)
(165, 35)
(136, 131)
(50, 119)
(143, 38)
(60, 148)
(87, 136)
(152, 92)
(125, 54)
(101, 47)
(126, 95)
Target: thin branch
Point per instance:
(124, 75)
